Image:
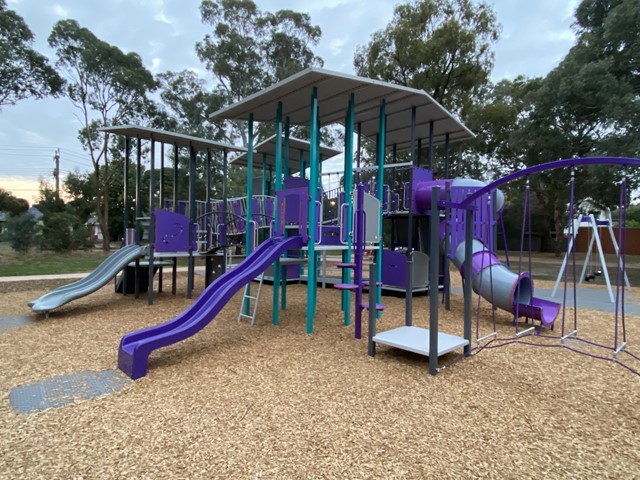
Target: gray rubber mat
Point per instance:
(66, 389)
(9, 323)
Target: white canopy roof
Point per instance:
(172, 138)
(334, 91)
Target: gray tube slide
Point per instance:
(92, 282)
(503, 288)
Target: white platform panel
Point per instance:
(416, 340)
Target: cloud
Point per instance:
(60, 11)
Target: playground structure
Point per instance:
(448, 220)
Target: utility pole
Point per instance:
(56, 172)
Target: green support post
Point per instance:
(247, 306)
(348, 187)
(382, 137)
(313, 185)
(276, 214)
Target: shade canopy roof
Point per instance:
(334, 91)
(296, 145)
(172, 138)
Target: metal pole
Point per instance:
(446, 155)
(434, 220)
(313, 185)
(468, 253)
(152, 188)
(382, 133)
(127, 159)
(175, 177)
(408, 320)
(348, 187)
(192, 218)
(278, 187)
(430, 151)
(162, 192)
(373, 279)
(247, 228)
(285, 155)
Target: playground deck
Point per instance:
(237, 401)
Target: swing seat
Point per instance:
(540, 309)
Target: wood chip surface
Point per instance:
(264, 401)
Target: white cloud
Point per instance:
(162, 17)
(60, 11)
(155, 64)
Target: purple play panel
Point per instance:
(172, 232)
(136, 347)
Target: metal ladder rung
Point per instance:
(255, 299)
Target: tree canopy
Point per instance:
(108, 87)
(440, 46)
(24, 73)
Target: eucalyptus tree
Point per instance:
(107, 87)
(24, 73)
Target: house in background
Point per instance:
(95, 232)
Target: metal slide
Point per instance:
(503, 288)
(136, 347)
(92, 282)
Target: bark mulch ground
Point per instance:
(240, 401)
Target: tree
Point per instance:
(12, 205)
(24, 73)
(249, 49)
(440, 46)
(108, 87)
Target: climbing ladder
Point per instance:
(246, 299)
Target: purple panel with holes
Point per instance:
(394, 269)
(172, 232)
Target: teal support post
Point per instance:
(313, 186)
(249, 202)
(278, 187)
(283, 270)
(270, 182)
(348, 187)
(382, 138)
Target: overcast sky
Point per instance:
(535, 36)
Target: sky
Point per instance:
(535, 36)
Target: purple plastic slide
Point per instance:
(136, 347)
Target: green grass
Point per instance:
(45, 263)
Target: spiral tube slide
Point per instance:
(503, 288)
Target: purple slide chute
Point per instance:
(503, 288)
(136, 347)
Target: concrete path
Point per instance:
(587, 298)
(68, 276)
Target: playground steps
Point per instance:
(346, 286)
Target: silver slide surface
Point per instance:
(92, 282)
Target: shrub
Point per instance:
(62, 232)
(21, 232)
